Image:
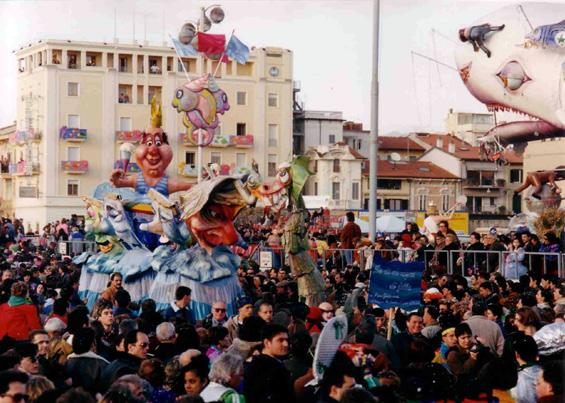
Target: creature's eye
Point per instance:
(149, 143)
(158, 142)
(513, 76)
(284, 177)
(119, 197)
(224, 98)
(179, 94)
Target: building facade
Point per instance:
(315, 128)
(78, 101)
(467, 126)
(488, 186)
(411, 185)
(336, 173)
(357, 138)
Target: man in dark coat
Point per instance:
(266, 377)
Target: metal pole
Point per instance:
(374, 125)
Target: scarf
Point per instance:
(15, 301)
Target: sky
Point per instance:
(332, 42)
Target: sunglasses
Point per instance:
(331, 311)
(219, 309)
(144, 345)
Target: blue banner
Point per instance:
(395, 284)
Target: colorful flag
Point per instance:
(210, 44)
(184, 50)
(395, 284)
(237, 50)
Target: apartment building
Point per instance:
(314, 128)
(78, 101)
(336, 172)
(468, 126)
(489, 186)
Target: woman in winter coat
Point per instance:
(513, 266)
(19, 315)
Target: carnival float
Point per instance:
(513, 60)
(160, 232)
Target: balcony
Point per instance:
(75, 167)
(129, 137)
(72, 134)
(23, 168)
(133, 168)
(483, 185)
(23, 136)
(243, 141)
(188, 170)
(221, 140)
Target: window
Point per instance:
(336, 166)
(389, 184)
(73, 121)
(73, 153)
(335, 190)
(125, 124)
(272, 165)
(445, 201)
(189, 158)
(216, 158)
(515, 176)
(422, 202)
(153, 91)
(315, 166)
(240, 160)
(72, 89)
(241, 98)
(332, 138)
(241, 129)
(123, 65)
(273, 100)
(273, 135)
(72, 187)
(396, 204)
(355, 191)
(315, 188)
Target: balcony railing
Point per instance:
(223, 140)
(23, 168)
(134, 136)
(243, 141)
(475, 183)
(75, 167)
(22, 136)
(132, 166)
(187, 170)
(72, 134)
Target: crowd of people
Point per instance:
(478, 336)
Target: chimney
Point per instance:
(451, 147)
(439, 142)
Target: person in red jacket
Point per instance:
(19, 315)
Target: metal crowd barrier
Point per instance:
(75, 248)
(459, 261)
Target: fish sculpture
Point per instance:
(529, 81)
(166, 221)
(200, 101)
(120, 221)
(547, 35)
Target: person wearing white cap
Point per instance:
(55, 328)
(328, 311)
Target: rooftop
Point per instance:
(409, 169)
(398, 143)
(460, 148)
